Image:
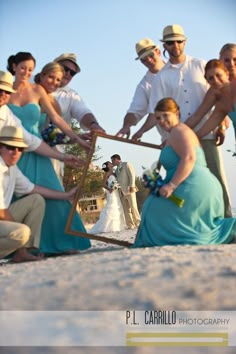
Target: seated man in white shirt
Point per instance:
(20, 221)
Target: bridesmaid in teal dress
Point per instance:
(200, 221)
(39, 169)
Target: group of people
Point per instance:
(191, 103)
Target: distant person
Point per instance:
(200, 221)
(112, 218)
(25, 104)
(125, 175)
(149, 55)
(182, 78)
(20, 221)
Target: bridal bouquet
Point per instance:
(153, 180)
(114, 185)
(54, 136)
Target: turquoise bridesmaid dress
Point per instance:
(232, 116)
(201, 219)
(39, 170)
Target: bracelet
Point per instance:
(173, 186)
(222, 127)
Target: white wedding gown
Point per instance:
(112, 217)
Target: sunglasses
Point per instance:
(151, 55)
(4, 91)
(68, 70)
(13, 148)
(172, 42)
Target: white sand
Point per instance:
(109, 277)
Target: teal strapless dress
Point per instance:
(201, 219)
(39, 170)
(232, 116)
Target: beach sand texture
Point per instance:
(109, 277)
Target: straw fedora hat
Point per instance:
(173, 33)
(6, 81)
(69, 56)
(144, 47)
(13, 136)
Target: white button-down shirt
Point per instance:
(140, 102)
(12, 181)
(71, 104)
(8, 118)
(186, 84)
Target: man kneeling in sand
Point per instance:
(20, 222)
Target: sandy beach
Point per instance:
(113, 278)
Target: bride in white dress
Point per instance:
(112, 217)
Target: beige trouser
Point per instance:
(216, 166)
(28, 214)
(130, 208)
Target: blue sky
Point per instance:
(103, 34)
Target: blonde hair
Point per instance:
(227, 46)
(52, 66)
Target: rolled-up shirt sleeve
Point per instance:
(8, 118)
(71, 103)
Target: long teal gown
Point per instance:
(201, 219)
(39, 170)
(232, 116)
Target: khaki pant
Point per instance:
(130, 208)
(28, 214)
(216, 166)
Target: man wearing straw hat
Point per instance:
(34, 143)
(20, 221)
(150, 56)
(71, 103)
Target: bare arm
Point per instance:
(104, 184)
(70, 160)
(215, 119)
(186, 152)
(54, 194)
(6, 215)
(57, 119)
(149, 124)
(90, 122)
(207, 103)
(129, 120)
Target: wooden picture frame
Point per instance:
(81, 183)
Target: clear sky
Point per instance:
(103, 34)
